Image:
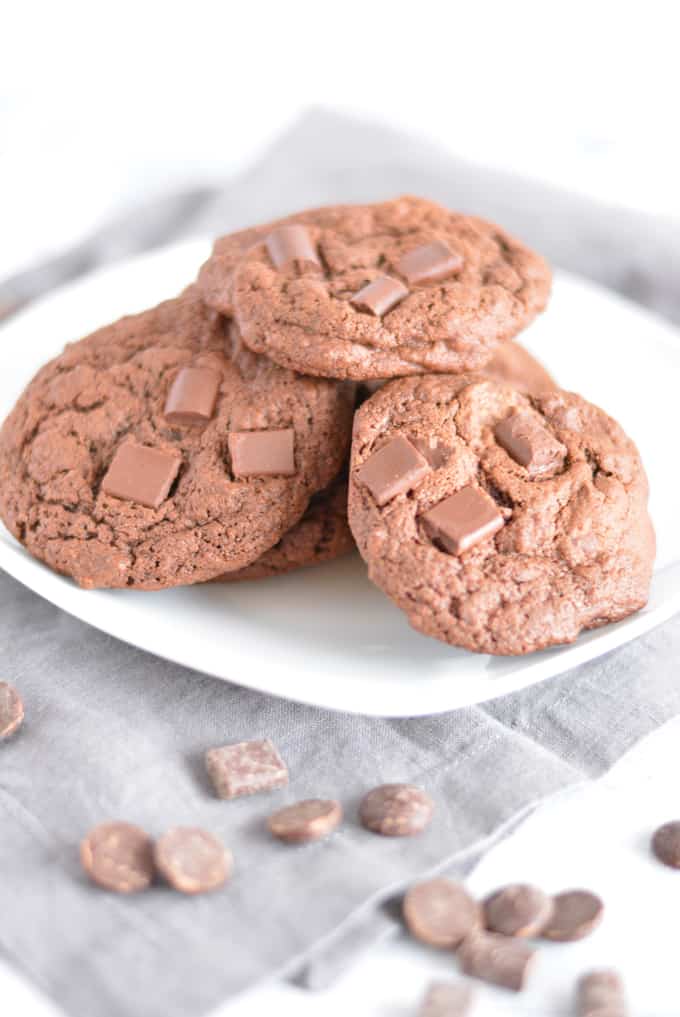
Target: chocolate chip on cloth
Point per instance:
(376, 291)
(118, 856)
(159, 451)
(192, 860)
(11, 710)
(396, 810)
(530, 524)
(441, 913)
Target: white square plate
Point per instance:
(326, 636)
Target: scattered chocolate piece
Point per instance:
(437, 455)
(429, 263)
(262, 453)
(601, 994)
(396, 810)
(119, 857)
(141, 474)
(11, 710)
(518, 910)
(380, 296)
(192, 860)
(462, 520)
(576, 913)
(666, 844)
(245, 768)
(192, 396)
(446, 999)
(441, 913)
(395, 468)
(305, 821)
(497, 959)
(291, 247)
(530, 444)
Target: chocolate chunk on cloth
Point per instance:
(441, 913)
(396, 810)
(119, 857)
(446, 999)
(498, 959)
(469, 286)
(478, 553)
(576, 913)
(518, 910)
(192, 860)
(601, 994)
(11, 710)
(666, 844)
(245, 768)
(99, 481)
(304, 821)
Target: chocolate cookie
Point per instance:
(513, 364)
(376, 291)
(322, 534)
(159, 451)
(497, 521)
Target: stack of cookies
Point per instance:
(345, 373)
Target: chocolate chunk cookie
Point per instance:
(376, 291)
(322, 534)
(159, 451)
(513, 364)
(500, 522)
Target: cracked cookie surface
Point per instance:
(110, 389)
(304, 318)
(573, 549)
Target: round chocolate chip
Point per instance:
(305, 821)
(192, 860)
(396, 810)
(518, 910)
(440, 912)
(11, 710)
(119, 857)
(666, 844)
(575, 914)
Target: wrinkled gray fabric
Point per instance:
(113, 732)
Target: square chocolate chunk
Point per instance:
(394, 469)
(245, 768)
(262, 453)
(380, 296)
(530, 443)
(429, 263)
(192, 396)
(142, 474)
(291, 247)
(462, 520)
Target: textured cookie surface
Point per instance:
(456, 286)
(69, 479)
(499, 551)
(512, 363)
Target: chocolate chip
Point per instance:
(305, 821)
(446, 999)
(666, 844)
(192, 860)
(291, 247)
(518, 910)
(396, 810)
(192, 396)
(530, 444)
(119, 857)
(262, 453)
(245, 768)
(601, 994)
(394, 469)
(11, 710)
(497, 959)
(429, 263)
(575, 914)
(141, 474)
(464, 519)
(380, 296)
(440, 912)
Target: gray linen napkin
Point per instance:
(113, 732)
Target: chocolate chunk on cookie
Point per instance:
(531, 525)
(119, 857)
(192, 860)
(159, 451)
(376, 291)
(11, 711)
(396, 810)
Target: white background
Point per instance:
(102, 106)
